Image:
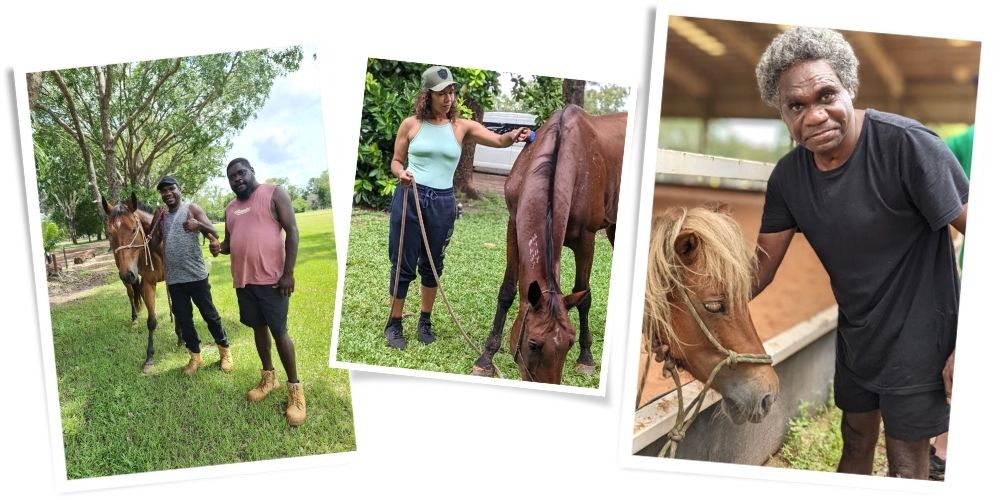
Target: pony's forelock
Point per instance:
(725, 260)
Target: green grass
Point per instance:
(474, 267)
(118, 421)
(814, 441)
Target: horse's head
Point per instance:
(697, 289)
(542, 333)
(127, 236)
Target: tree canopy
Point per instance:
(135, 122)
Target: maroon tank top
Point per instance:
(256, 245)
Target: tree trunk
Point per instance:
(34, 85)
(573, 91)
(76, 131)
(103, 91)
(463, 174)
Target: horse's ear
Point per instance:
(534, 295)
(686, 247)
(133, 202)
(106, 206)
(722, 208)
(574, 299)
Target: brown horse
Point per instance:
(696, 313)
(140, 264)
(562, 189)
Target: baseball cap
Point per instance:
(436, 78)
(165, 181)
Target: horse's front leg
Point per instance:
(483, 366)
(583, 252)
(133, 301)
(149, 298)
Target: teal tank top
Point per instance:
(433, 155)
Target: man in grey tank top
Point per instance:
(187, 276)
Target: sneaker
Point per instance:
(394, 335)
(425, 334)
(936, 466)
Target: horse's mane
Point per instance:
(544, 166)
(724, 259)
(144, 212)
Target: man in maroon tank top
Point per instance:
(263, 274)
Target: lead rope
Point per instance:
(430, 259)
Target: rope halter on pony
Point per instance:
(730, 358)
(145, 241)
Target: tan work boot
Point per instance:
(296, 412)
(267, 383)
(193, 364)
(225, 359)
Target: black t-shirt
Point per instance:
(879, 224)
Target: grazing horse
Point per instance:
(696, 315)
(140, 265)
(562, 189)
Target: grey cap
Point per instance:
(165, 181)
(436, 78)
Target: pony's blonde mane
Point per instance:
(724, 258)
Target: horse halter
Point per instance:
(145, 241)
(685, 416)
(520, 340)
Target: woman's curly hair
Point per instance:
(422, 106)
(801, 44)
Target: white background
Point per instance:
(432, 438)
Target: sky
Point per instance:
(286, 139)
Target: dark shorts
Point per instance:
(439, 211)
(908, 417)
(263, 305)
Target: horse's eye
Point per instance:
(715, 307)
(535, 345)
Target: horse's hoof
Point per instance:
(585, 369)
(147, 367)
(481, 372)
(135, 324)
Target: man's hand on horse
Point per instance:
(286, 285)
(947, 373)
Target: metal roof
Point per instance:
(927, 79)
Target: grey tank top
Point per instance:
(181, 251)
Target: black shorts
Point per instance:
(908, 417)
(263, 305)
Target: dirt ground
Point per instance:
(800, 289)
(79, 280)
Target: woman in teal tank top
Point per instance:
(427, 149)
